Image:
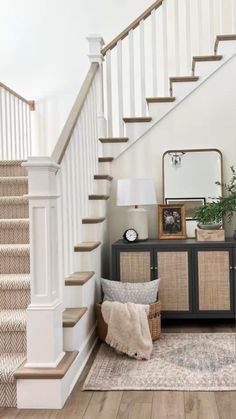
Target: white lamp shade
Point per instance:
(136, 192)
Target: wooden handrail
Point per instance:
(31, 103)
(64, 139)
(133, 25)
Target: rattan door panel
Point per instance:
(135, 266)
(213, 280)
(174, 285)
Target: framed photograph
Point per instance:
(172, 221)
(191, 204)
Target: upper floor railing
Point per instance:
(158, 44)
(15, 125)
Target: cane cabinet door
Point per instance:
(214, 272)
(173, 268)
(135, 265)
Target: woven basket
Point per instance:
(154, 321)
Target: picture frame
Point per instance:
(172, 221)
(191, 204)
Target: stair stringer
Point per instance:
(181, 92)
(203, 120)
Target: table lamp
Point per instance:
(135, 192)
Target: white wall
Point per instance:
(205, 119)
(43, 52)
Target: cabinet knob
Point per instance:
(151, 268)
(231, 267)
(156, 268)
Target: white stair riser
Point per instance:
(157, 110)
(205, 68)
(101, 186)
(104, 168)
(97, 208)
(136, 129)
(92, 232)
(74, 337)
(88, 261)
(76, 296)
(182, 89)
(113, 149)
(14, 299)
(226, 48)
(52, 394)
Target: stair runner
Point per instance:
(14, 275)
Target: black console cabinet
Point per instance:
(197, 278)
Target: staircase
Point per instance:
(73, 187)
(14, 275)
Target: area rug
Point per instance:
(180, 361)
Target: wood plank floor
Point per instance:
(141, 404)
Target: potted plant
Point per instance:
(210, 215)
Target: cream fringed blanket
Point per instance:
(128, 329)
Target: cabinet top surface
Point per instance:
(176, 243)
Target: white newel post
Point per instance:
(96, 43)
(44, 314)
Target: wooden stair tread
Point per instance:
(160, 99)
(93, 220)
(47, 373)
(79, 278)
(207, 57)
(98, 197)
(137, 119)
(113, 140)
(105, 159)
(103, 177)
(86, 246)
(227, 37)
(71, 316)
(179, 79)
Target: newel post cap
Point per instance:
(96, 43)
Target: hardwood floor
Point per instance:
(141, 404)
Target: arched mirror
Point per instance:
(189, 178)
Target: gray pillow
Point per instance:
(133, 292)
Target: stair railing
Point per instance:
(59, 189)
(15, 125)
(160, 43)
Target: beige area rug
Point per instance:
(180, 361)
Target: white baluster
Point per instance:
(177, 41)
(154, 52)
(200, 28)
(120, 87)
(109, 94)
(211, 26)
(131, 73)
(142, 70)
(165, 48)
(188, 35)
(233, 16)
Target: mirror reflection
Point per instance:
(189, 178)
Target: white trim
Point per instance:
(45, 365)
(43, 307)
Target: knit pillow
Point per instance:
(133, 292)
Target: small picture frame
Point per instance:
(172, 221)
(191, 204)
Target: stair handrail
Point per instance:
(64, 139)
(31, 103)
(132, 25)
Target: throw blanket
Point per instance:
(128, 329)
